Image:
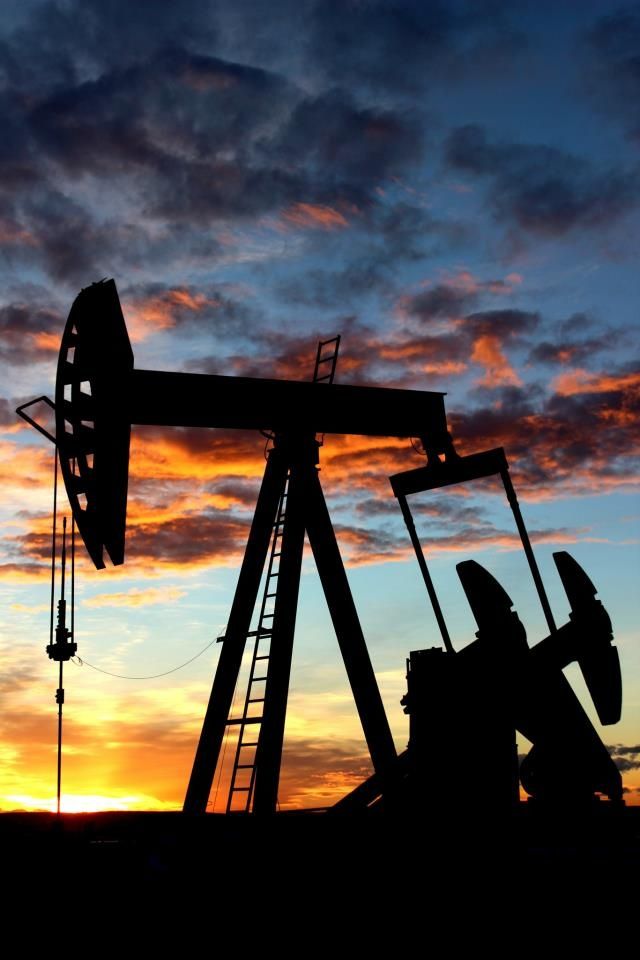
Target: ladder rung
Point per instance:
(256, 700)
(267, 615)
(263, 656)
(252, 633)
(238, 720)
(258, 679)
(245, 766)
(252, 744)
(269, 595)
(235, 789)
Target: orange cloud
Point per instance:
(319, 772)
(583, 381)
(192, 491)
(447, 366)
(314, 216)
(135, 597)
(24, 572)
(47, 341)
(465, 280)
(151, 314)
(22, 464)
(184, 455)
(487, 352)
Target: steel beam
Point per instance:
(244, 600)
(284, 406)
(347, 627)
(270, 741)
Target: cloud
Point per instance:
(625, 757)
(19, 680)
(188, 506)
(402, 48)
(498, 371)
(569, 441)
(135, 597)
(42, 53)
(442, 301)
(460, 337)
(314, 216)
(188, 510)
(194, 310)
(9, 421)
(25, 469)
(540, 188)
(565, 349)
(584, 382)
(246, 144)
(611, 67)
(319, 772)
(194, 454)
(128, 155)
(25, 572)
(29, 333)
(388, 233)
(455, 295)
(208, 538)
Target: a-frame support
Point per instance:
(291, 466)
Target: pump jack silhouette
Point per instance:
(496, 684)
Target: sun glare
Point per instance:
(75, 803)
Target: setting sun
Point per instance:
(79, 803)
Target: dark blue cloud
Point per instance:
(384, 49)
(191, 140)
(21, 321)
(540, 188)
(612, 69)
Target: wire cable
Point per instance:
(53, 542)
(80, 662)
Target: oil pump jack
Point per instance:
(99, 395)
(497, 685)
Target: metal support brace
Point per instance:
(271, 739)
(244, 600)
(306, 509)
(348, 629)
(526, 544)
(426, 576)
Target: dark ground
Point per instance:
(169, 849)
(309, 885)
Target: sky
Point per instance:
(452, 187)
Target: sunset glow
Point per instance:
(452, 188)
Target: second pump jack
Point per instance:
(466, 706)
(497, 685)
(479, 697)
